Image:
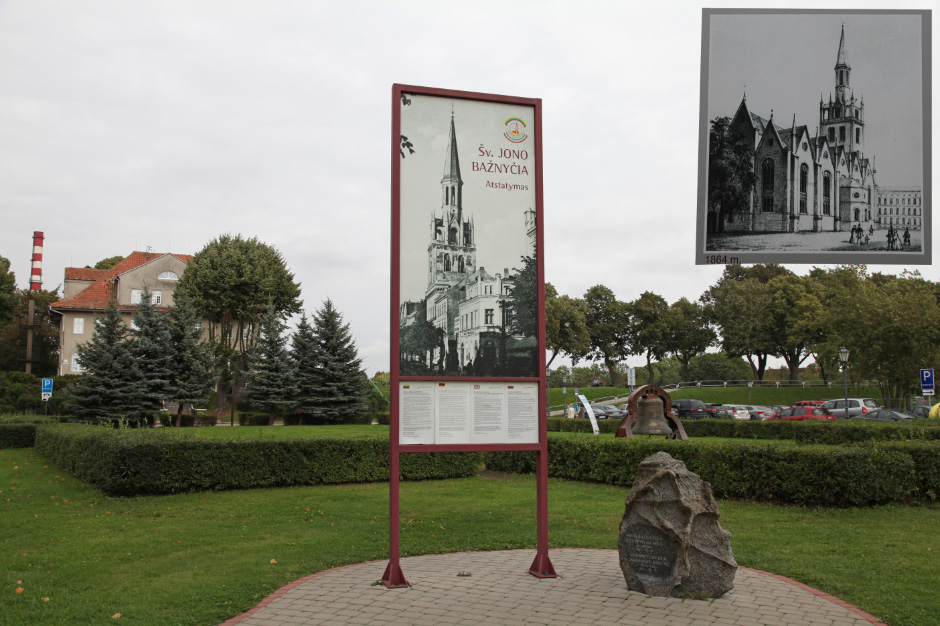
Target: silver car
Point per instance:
(735, 412)
(858, 407)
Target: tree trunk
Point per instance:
(612, 369)
(271, 418)
(179, 415)
(758, 369)
(649, 368)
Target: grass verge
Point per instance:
(202, 558)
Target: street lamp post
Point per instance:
(844, 361)
(564, 379)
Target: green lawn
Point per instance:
(202, 558)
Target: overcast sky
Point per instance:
(165, 124)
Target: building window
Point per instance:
(767, 185)
(197, 326)
(78, 326)
(827, 192)
(832, 134)
(76, 363)
(804, 175)
(135, 296)
(842, 133)
(168, 276)
(858, 135)
(489, 317)
(156, 297)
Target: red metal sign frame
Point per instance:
(541, 565)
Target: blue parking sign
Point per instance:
(47, 385)
(926, 380)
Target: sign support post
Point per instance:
(474, 376)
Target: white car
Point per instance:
(735, 412)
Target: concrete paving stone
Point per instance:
(589, 590)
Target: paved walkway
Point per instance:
(474, 588)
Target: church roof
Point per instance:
(451, 159)
(843, 56)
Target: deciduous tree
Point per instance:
(648, 329)
(608, 321)
(688, 332)
(730, 171)
(565, 325)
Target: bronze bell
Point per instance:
(651, 419)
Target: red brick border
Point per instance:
(825, 596)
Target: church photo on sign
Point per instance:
(468, 275)
(813, 127)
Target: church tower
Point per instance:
(842, 121)
(452, 249)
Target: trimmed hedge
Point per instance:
(815, 475)
(809, 432)
(17, 435)
(147, 462)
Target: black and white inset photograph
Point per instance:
(815, 137)
(468, 273)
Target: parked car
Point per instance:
(800, 414)
(604, 412)
(690, 408)
(735, 412)
(812, 403)
(889, 415)
(857, 407)
(759, 412)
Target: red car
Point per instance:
(801, 413)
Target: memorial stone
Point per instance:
(670, 541)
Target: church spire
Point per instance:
(843, 71)
(842, 59)
(451, 160)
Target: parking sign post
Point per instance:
(927, 382)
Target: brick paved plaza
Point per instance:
(476, 588)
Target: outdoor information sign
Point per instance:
(467, 286)
(46, 388)
(927, 382)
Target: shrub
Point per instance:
(17, 435)
(807, 475)
(253, 419)
(147, 462)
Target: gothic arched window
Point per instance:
(827, 192)
(804, 176)
(767, 186)
(460, 266)
(452, 236)
(446, 262)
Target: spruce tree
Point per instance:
(191, 375)
(152, 349)
(269, 380)
(111, 386)
(306, 360)
(337, 386)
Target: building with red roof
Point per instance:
(87, 292)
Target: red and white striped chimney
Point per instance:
(35, 277)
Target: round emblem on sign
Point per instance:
(515, 130)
